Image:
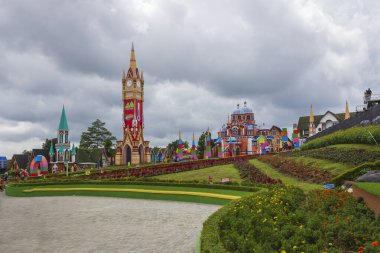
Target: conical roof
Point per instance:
(63, 122)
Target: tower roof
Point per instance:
(132, 60)
(63, 122)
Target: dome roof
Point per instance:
(243, 110)
(238, 111)
(246, 109)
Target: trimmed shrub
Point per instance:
(356, 172)
(131, 182)
(286, 220)
(360, 135)
(351, 157)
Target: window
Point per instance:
(248, 117)
(239, 117)
(60, 138)
(235, 131)
(66, 138)
(305, 132)
(274, 132)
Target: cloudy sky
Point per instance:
(200, 58)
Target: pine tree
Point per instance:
(97, 136)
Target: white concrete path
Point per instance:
(99, 224)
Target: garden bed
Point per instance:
(286, 220)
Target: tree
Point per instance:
(46, 145)
(97, 136)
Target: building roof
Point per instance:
(22, 160)
(63, 122)
(303, 122)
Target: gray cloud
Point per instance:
(199, 58)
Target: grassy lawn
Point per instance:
(285, 179)
(17, 191)
(216, 172)
(357, 146)
(373, 188)
(334, 168)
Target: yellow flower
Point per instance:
(259, 211)
(265, 220)
(295, 246)
(330, 244)
(283, 251)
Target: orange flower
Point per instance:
(375, 243)
(361, 248)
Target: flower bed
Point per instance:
(154, 170)
(285, 220)
(297, 169)
(353, 157)
(253, 175)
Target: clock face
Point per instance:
(138, 83)
(129, 83)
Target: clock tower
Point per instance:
(133, 149)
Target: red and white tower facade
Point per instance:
(133, 149)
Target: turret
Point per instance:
(311, 122)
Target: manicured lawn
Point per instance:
(216, 172)
(333, 168)
(17, 191)
(373, 188)
(357, 146)
(285, 179)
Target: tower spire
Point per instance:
(63, 121)
(132, 60)
(347, 114)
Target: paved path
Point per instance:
(99, 224)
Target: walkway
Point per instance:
(99, 224)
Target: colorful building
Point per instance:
(133, 149)
(237, 134)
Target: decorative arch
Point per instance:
(38, 166)
(127, 154)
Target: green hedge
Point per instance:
(152, 183)
(210, 241)
(352, 157)
(352, 135)
(356, 172)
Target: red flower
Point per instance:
(375, 243)
(361, 248)
(364, 239)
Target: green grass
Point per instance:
(373, 188)
(17, 191)
(285, 179)
(216, 172)
(357, 146)
(334, 168)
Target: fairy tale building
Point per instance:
(133, 149)
(239, 132)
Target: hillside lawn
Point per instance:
(268, 170)
(17, 191)
(334, 168)
(357, 146)
(216, 172)
(373, 188)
